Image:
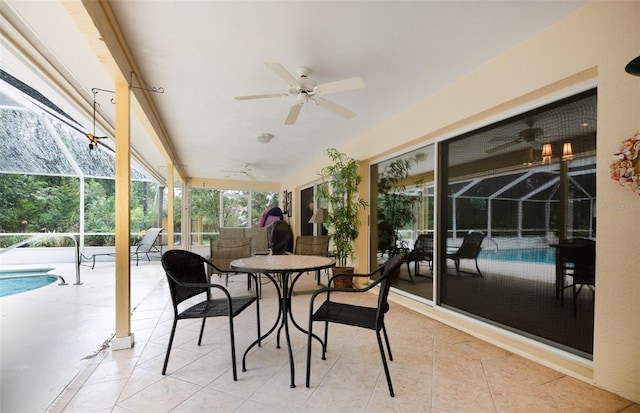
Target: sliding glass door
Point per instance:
(512, 229)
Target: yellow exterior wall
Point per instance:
(589, 47)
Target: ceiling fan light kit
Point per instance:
(305, 89)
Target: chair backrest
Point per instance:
(225, 250)
(149, 238)
(232, 233)
(424, 244)
(312, 245)
(259, 240)
(471, 245)
(390, 273)
(583, 258)
(280, 238)
(187, 267)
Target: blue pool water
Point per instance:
(533, 255)
(19, 281)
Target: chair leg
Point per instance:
(233, 349)
(384, 363)
(413, 281)
(575, 298)
(307, 379)
(386, 338)
(326, 340)
(166, 358)
(478, 268)
(201, 331)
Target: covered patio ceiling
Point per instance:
(204, 53)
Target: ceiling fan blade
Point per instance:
(283, 73)
(293, 114)
(270, 95)
(335, 108)
(340, 86)
(503, 146)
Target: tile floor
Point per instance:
(435, 369)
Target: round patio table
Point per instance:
(285, 265)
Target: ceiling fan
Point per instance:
(528, 135)
(306, 89)
(246, 172)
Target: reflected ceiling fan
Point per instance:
(529, 136)
(306, 89)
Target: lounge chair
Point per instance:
(470, 249)
(146, 246)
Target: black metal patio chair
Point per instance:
(187, 279)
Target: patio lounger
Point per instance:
(146, 245)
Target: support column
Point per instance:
(124, 336)
(564, 200)
(373, 216)
(362, 242)
(170, 216)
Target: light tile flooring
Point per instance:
(435, 369)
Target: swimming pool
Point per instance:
(18, 281)
(532, 255)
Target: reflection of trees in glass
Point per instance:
(395, 207)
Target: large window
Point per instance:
(212, 209)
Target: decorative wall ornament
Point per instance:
(286, 203)
(626, 162)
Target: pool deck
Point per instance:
(39, 358)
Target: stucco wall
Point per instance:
(590, 47)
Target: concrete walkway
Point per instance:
(48, 335)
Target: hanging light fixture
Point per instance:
(547, 153)
(567, 151)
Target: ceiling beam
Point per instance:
(98, 24)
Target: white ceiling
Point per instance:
(203, 53)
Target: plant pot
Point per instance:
(343, 282)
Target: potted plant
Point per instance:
(342, 179)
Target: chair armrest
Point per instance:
(329, 290)
(356, 275)
(206, 285)
(220, 271)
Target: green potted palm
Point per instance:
(341, 195)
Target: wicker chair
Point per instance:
(187, 279)
(312, 245)
(225, 250)
(372, 318)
